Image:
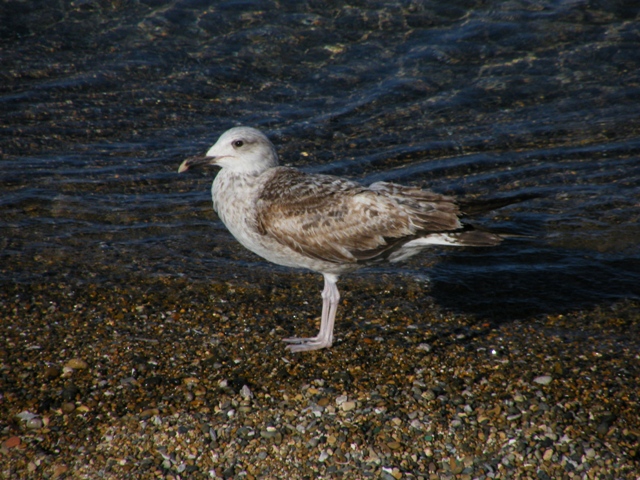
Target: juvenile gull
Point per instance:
(324, 223)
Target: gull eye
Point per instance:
(237, 143)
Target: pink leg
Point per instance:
(324, 339)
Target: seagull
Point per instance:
(324, 223)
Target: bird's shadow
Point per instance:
(512, 283)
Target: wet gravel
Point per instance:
(166, 378)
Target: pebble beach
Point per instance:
(178, 379)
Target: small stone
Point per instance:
(543, 380)
(59, 470)
(68, 407)
(323, 402)
(495, 411)
(11, 442)
(76, 364)
(548, 453)
(394, 445)
(34, 423)
(128, 382)
(51, 372)
(347, 406)
(416, 424)
(456, 466)
(428, 395)
(269, 432)
(323, 456)
(149, 412)
(246, 393)
(26, 415)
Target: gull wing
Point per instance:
(340, 221)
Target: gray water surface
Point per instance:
(101, 101)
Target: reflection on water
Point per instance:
(100, 101)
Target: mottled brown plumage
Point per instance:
(340, 221)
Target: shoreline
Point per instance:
(173, 379)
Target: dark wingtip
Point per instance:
(477, 206)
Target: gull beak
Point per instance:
(196, 162)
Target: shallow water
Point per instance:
(101, 101)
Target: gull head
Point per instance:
(241, 150)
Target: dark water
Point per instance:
(100, 101)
